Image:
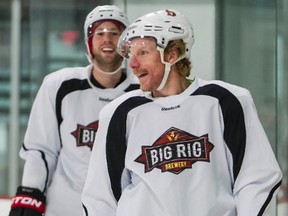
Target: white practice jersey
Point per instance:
(200, 153)
(60, 135)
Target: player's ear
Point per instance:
(171, 55)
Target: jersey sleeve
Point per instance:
(41, 141)
(259, 176)
(97, 196)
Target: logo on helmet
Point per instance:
(170, 13)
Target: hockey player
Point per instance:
(64, 121)
(178, 146)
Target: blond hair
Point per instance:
(184, 66)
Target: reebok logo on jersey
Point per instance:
(170, 108)
(85, 135)
(175, 151)
(105, 99)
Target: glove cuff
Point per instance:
(29, 198)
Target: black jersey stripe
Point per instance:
(85, 209)
(269, 198)
(234, 123)
(116, 144)
(66, 88)
(132, 87)
(234, 134)
(72, 85)
(44, 161)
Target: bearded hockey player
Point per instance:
(64, 121)
(180, 146)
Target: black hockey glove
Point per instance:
(28, 202)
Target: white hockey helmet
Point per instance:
(165, 25)
(103, 12)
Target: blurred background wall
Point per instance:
(244, 42)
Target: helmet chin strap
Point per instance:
(167, 67)
(108, 73)
(101, 71)
(88, 58)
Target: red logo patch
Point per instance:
(175, 151)
(85, 135)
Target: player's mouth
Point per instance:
(107, 49)
(141, 75)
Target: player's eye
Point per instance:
(142, 53)
(115, 33)
(99, 33)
